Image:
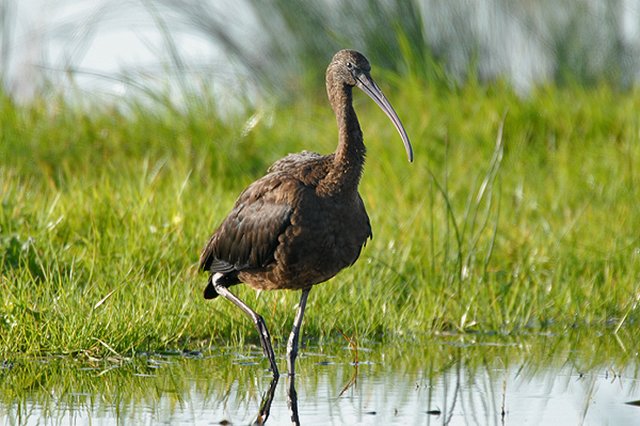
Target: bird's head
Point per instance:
(346, 65)
(350, 68)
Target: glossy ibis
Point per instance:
(304, 221)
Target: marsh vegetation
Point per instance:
(104, 212)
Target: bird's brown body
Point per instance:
(302, 235)
(304, 221)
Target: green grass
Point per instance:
(104, 211)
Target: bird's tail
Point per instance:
(210, 291)
(225, 279)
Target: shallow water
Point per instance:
(449, 380)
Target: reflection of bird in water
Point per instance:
(267, 399)
(304, 221)
(265, 404)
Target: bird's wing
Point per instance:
(248, 237)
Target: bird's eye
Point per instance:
(349, 65)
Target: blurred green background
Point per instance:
(275, 46)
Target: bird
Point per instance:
(304, 221)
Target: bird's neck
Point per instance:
(348, 162)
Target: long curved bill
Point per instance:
(368, 86)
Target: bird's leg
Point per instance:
(263, 332)
(292, 344)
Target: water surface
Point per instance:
(449, 380)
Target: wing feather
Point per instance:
(248, 237)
